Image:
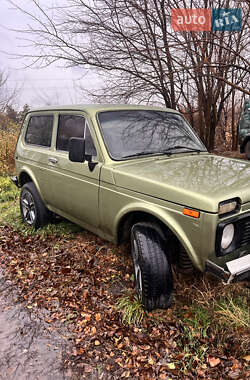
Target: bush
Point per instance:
(8, 140)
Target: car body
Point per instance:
(190, 198)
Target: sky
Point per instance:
(36, 86)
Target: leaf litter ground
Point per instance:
(77, 282)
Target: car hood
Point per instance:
(199, 181)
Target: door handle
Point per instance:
(53, 160)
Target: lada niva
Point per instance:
(139, 174)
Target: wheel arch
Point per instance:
(25, 176)
(166, 223)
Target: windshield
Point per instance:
(130, 133)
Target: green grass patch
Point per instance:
(198, 319)
(8, 191)
(131, 309)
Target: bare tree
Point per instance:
(6, 95)
(132, 45)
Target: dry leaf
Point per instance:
(247, 358)
(213, 362)
(98, 317)
(150, 361)
(171, 365)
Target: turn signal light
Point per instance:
(193, 213)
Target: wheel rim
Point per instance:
(137, 268)
(28, 208)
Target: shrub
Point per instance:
(8, 140)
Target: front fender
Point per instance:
(166, 216)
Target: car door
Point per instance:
(72, 188)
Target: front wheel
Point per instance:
(32, 208)
(247, 150)
(153, 274)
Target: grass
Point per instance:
(198, 319)
(234, 312)
(193, 350)
(131, 309)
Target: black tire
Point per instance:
(153, 274)
(247, 150)
(32, 208)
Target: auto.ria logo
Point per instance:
(206, 19)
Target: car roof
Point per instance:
(93, 108)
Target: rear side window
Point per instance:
(69, 126)
(39, 130)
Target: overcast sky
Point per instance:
(56, 85)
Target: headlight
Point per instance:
(228, 206)
(227, 236)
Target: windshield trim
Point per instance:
(149, 154)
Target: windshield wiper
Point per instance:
(137, 154)
(169, 150)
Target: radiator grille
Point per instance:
(244, 232)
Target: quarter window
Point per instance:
(39, 130)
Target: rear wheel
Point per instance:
(153, 274)
(247, 150)
(32, 208)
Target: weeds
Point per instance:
(132, 310)
(7, 149)
(194, 352)
(198, 319)
(234, 312)
(8, 191)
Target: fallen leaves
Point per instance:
(78, 282)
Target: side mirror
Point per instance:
(77, 149)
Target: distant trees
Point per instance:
(130, 43)
(12, 118)
(6, 95)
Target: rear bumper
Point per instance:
(238, 269)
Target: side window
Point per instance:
(39, 130)
(89, 144)
(69, 126)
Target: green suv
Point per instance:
(139, 174)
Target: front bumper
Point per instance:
(237, 269)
